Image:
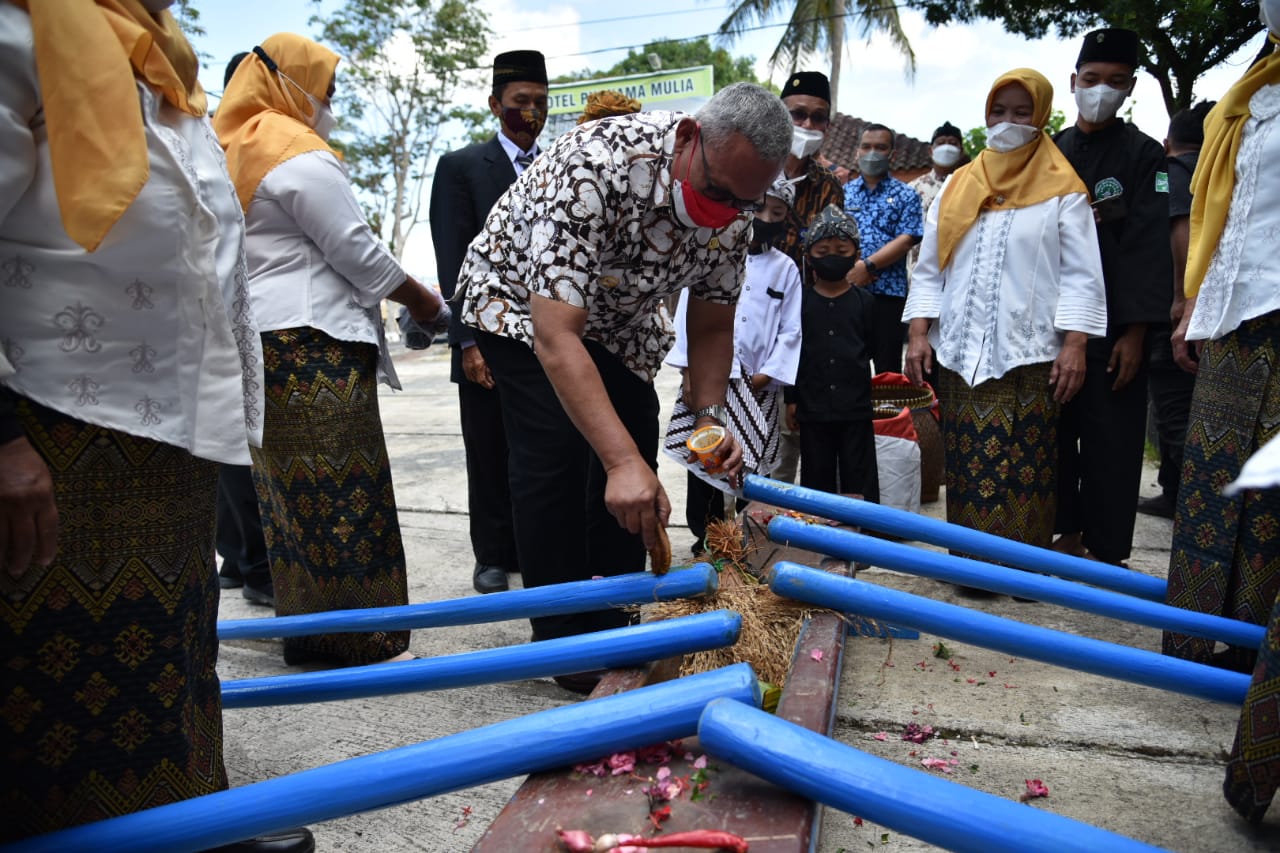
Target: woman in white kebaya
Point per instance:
(1007, 290)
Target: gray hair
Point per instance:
(755, 112)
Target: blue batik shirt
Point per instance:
(891, 209)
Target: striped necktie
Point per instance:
(523, 161)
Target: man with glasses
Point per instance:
(807, 97)
(563, 287)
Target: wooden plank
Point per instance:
(771, 819)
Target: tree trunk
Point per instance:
(836, 38)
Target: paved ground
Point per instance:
(1135, 760)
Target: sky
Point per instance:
(954, 65)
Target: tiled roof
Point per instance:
(841, 146)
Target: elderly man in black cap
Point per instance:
(466, 185)
(1102, 430)
(807, 97)
(563, 287)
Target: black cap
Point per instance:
(813, 83)
(1110, 45)
(232, 66)
(526, 65)
(947, 129)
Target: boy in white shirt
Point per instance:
(766, 345)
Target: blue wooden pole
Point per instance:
(554, 600)
(561, 736)
(602, 650)
(908, 525)
(1007, 635)
(909, 801)
(945, 567)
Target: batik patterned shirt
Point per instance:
(818, 189)
(591, 224)
(888, 211)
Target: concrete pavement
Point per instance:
(1135, 760)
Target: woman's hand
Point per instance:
(1186, 353)
(28, 516)
(919, 354)
(1067, 373)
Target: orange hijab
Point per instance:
(88, 54)
(996, 180)
(263, 119)
(1215, 177)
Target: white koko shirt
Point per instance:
(1017, 282)
(766, 324)
(151, 334)
(313, 259)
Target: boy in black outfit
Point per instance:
(830, 404)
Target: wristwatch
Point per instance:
(716, 412)
(872, 269)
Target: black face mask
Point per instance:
(766, 233)
(833, 267)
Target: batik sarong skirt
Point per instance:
(324, 487)
(109, 695)
(1001, 446)
(1225, 558)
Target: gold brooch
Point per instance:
(713, 243)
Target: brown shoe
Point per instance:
(580, 682)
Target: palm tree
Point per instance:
(819, 25)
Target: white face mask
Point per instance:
(322, 120)
(805, 141)
(1006, 136)
(1099, 103)
(1269, 13)
(946, 156)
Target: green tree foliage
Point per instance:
(1180, 39)
(820, 26)
(188, 18)
(679, 54)
(975, 139)
(402, 61)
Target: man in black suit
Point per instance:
(466, 185)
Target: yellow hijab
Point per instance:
(262, 119)
(1028, 175)
(88, 53)
(1215, 177)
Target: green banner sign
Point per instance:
(651, 90)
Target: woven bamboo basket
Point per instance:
(888, 400)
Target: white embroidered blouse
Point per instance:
(1017, 282)
(152, 333)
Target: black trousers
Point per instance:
(704, 503)
(1101, 436)
(493, 539)
(840, 457)
(886, 351)
(1169, 388)
(239, 537)
(563, 530)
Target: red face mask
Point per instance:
(694, 209)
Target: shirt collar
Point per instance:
(513, 151)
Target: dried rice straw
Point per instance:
(770, 623)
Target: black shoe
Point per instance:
(288, 841)
(1161, 505)
(264, 597)
(488, 579)
(229, 576)
(225, 582)
(580, 682)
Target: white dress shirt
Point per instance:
(1243, 280)
(513, 151)
(314, 261)
(1018, 280)
(151, 334)
(766, 324)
